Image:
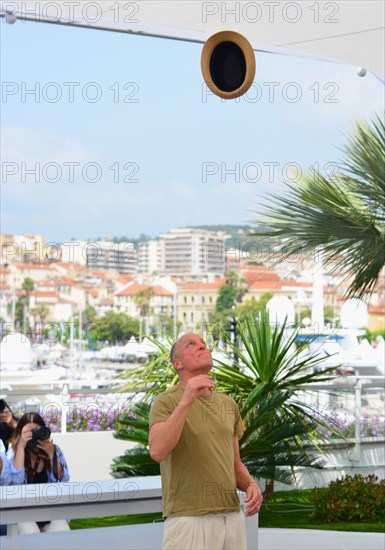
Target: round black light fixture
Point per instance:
(228, 64)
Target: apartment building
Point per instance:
(151, 256)
(196, 303)
(193, 253)
(122, 257)
(161, 301)
(21, 248)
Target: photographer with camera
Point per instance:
(34, 458)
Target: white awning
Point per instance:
(346, 31)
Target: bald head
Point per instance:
(174, 348)
(190, 354)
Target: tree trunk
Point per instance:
(269, 489)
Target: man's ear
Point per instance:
(177, 366)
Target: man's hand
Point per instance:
(196, 386)
(253, 499)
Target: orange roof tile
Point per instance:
(131, 289)
(44, 293)
(45, 265)
(252, 278)
(292, 282)
(161, 291)
(134, 288)
(266, 285)
(377, 309)
(205, 286)
(64, 281)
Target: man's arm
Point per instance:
(246, 483)
(164, 436)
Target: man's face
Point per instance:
(192, 354)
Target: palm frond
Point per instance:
(155, 377)
(266, 382)
(135, 462)
(343, 214)
(132, 424)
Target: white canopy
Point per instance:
(131, 346)
(147, 346)
(15, 352)
(349, 31)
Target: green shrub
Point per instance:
(352, 498)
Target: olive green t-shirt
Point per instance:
(198, 476)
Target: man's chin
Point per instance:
(206, 368)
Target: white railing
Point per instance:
(50, 501)
(322, 396)
(347, 397)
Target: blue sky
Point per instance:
(163, 152)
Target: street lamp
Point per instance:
(10, 18)
(233, 332)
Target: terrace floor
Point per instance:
(311, 539)
(269, 539)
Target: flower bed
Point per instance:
(344, 425)
(103, 416)
(86, 417)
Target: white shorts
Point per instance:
(209, 532)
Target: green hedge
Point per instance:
(352, 498)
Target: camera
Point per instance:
(40, 433)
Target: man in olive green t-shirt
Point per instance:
(194, 435)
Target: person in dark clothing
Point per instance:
(8, 423)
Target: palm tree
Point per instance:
(152, 378)
(143, 299)
(267, 383)
(344, 215)
(230, 293)
(28, 287)
(238, 283)
(41, 312)
(133, 426)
